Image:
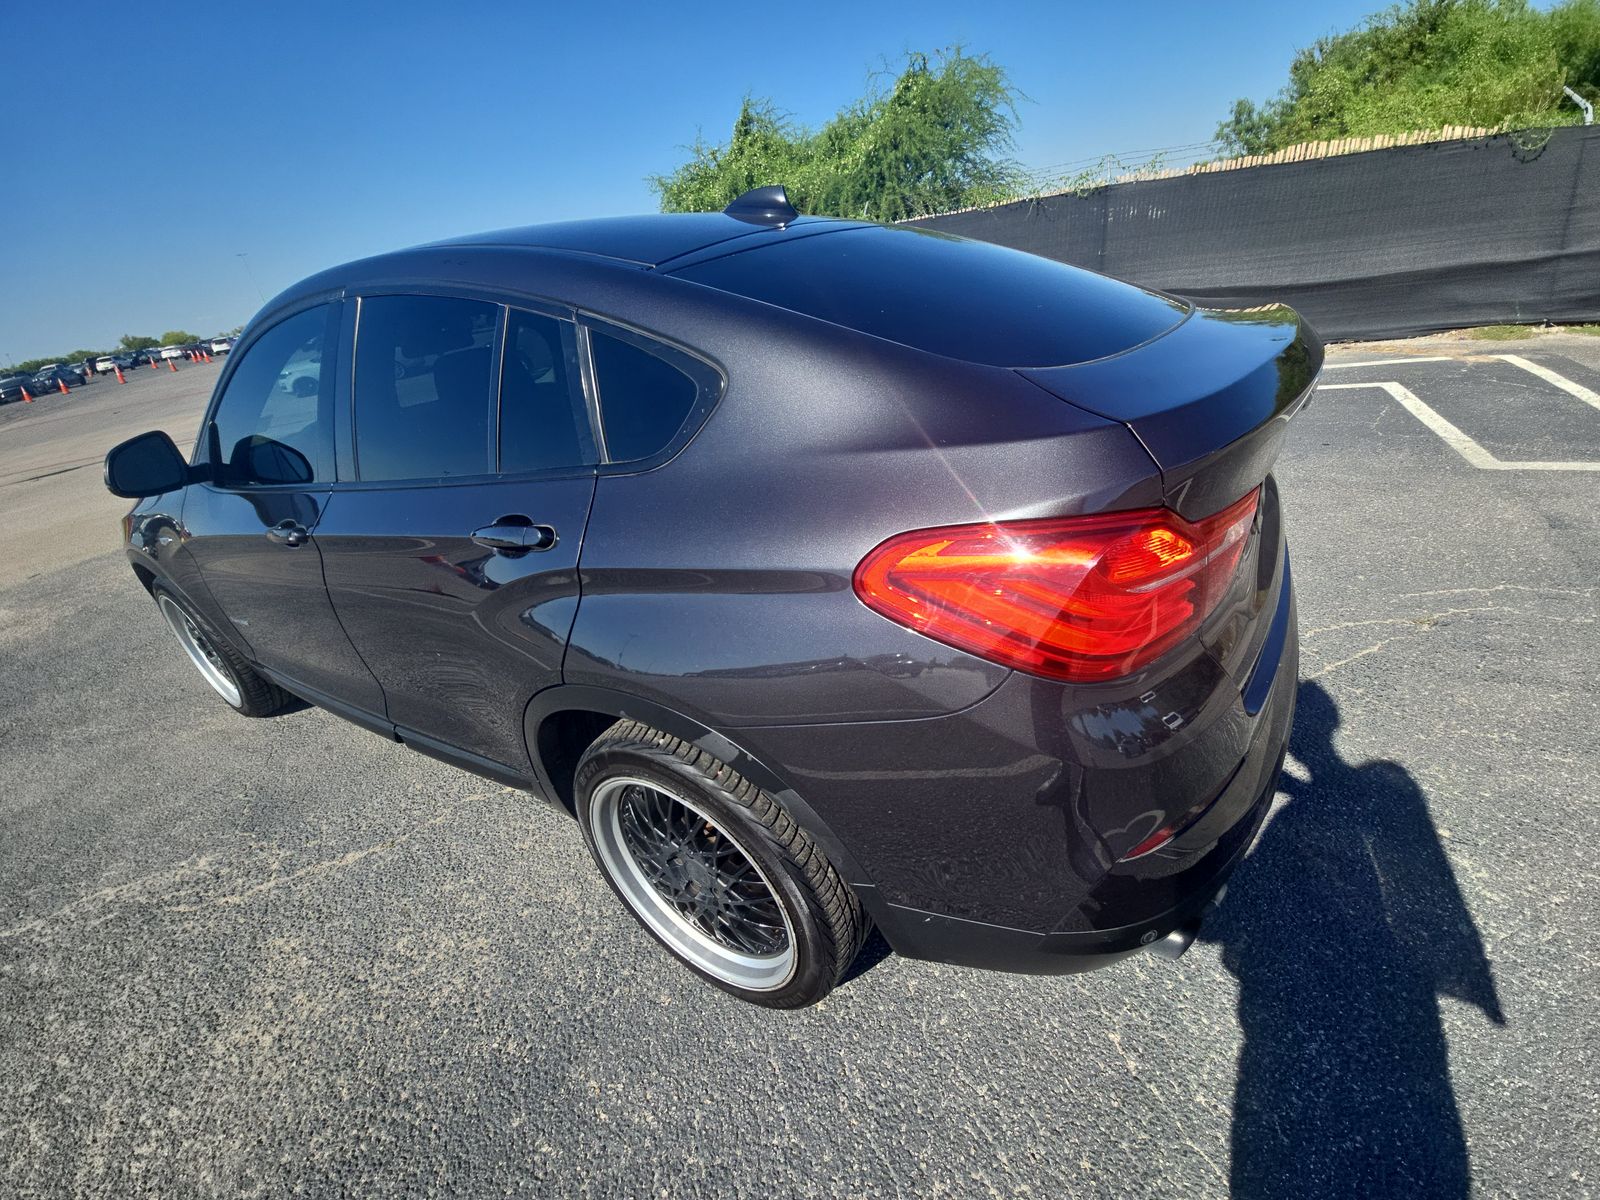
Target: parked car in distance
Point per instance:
(11, 387)
(107, 363)
(51, 377)
(219, 345)
(830, 574)
(170, 352)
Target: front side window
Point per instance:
(424, 387)
(274, 422)
(644, 400)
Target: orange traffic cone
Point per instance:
(120, 378)
(26, 399)
(62, 384)
(172, 365)
(208, 355)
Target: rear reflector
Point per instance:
(1075, 598)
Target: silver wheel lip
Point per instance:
(196, 646)
(755, 973)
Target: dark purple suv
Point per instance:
(832, 575)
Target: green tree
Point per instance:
(177, 337)
(936, 139)
(1427, 64)
(131, 342)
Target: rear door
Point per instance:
(452, 561)
(250, 528)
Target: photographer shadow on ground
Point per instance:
(1345, 928)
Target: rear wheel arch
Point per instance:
(562, 722)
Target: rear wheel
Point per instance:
(715, 869)
(223, 668)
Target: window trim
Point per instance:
(200, 456)
(591, 393)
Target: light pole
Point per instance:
(250, 275)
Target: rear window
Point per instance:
(543, 424)
(945, 295)
(424, 387)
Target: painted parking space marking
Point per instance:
(1561, 381)
(1459, 441)
(1387, 362)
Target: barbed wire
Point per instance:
(1079, 173)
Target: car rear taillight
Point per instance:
(1075, 598)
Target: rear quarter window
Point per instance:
(644, 399)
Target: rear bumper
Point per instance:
(998, 837)
(942, 938)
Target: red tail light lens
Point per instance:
(1077, 598)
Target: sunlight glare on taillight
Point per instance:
(1075, 598)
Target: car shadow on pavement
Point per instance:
(1344, 927)
(873, 951)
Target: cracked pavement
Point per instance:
(257, 958)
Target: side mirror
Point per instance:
(147, 465)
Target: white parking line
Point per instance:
(1453, 437)
(1386, 362)
(1549, 376)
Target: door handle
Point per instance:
(511, 535)
(288, 532)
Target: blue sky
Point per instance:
(302, 135)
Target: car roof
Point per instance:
(913, 287)
(649, 240)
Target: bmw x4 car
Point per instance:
(832, 575)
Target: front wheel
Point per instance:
(715, 869)
(220, 665)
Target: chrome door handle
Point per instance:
(513, 537)
(288, 532)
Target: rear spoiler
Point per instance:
(1210, 400)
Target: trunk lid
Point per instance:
(1210, 399)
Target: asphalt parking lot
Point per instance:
(283, 956)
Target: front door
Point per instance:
(251, 527)
(452, 563)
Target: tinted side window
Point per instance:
(542, 419)
(274, 423)
(644, 400)
(424, 387)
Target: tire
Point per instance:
(634, 782)
(227, 671)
